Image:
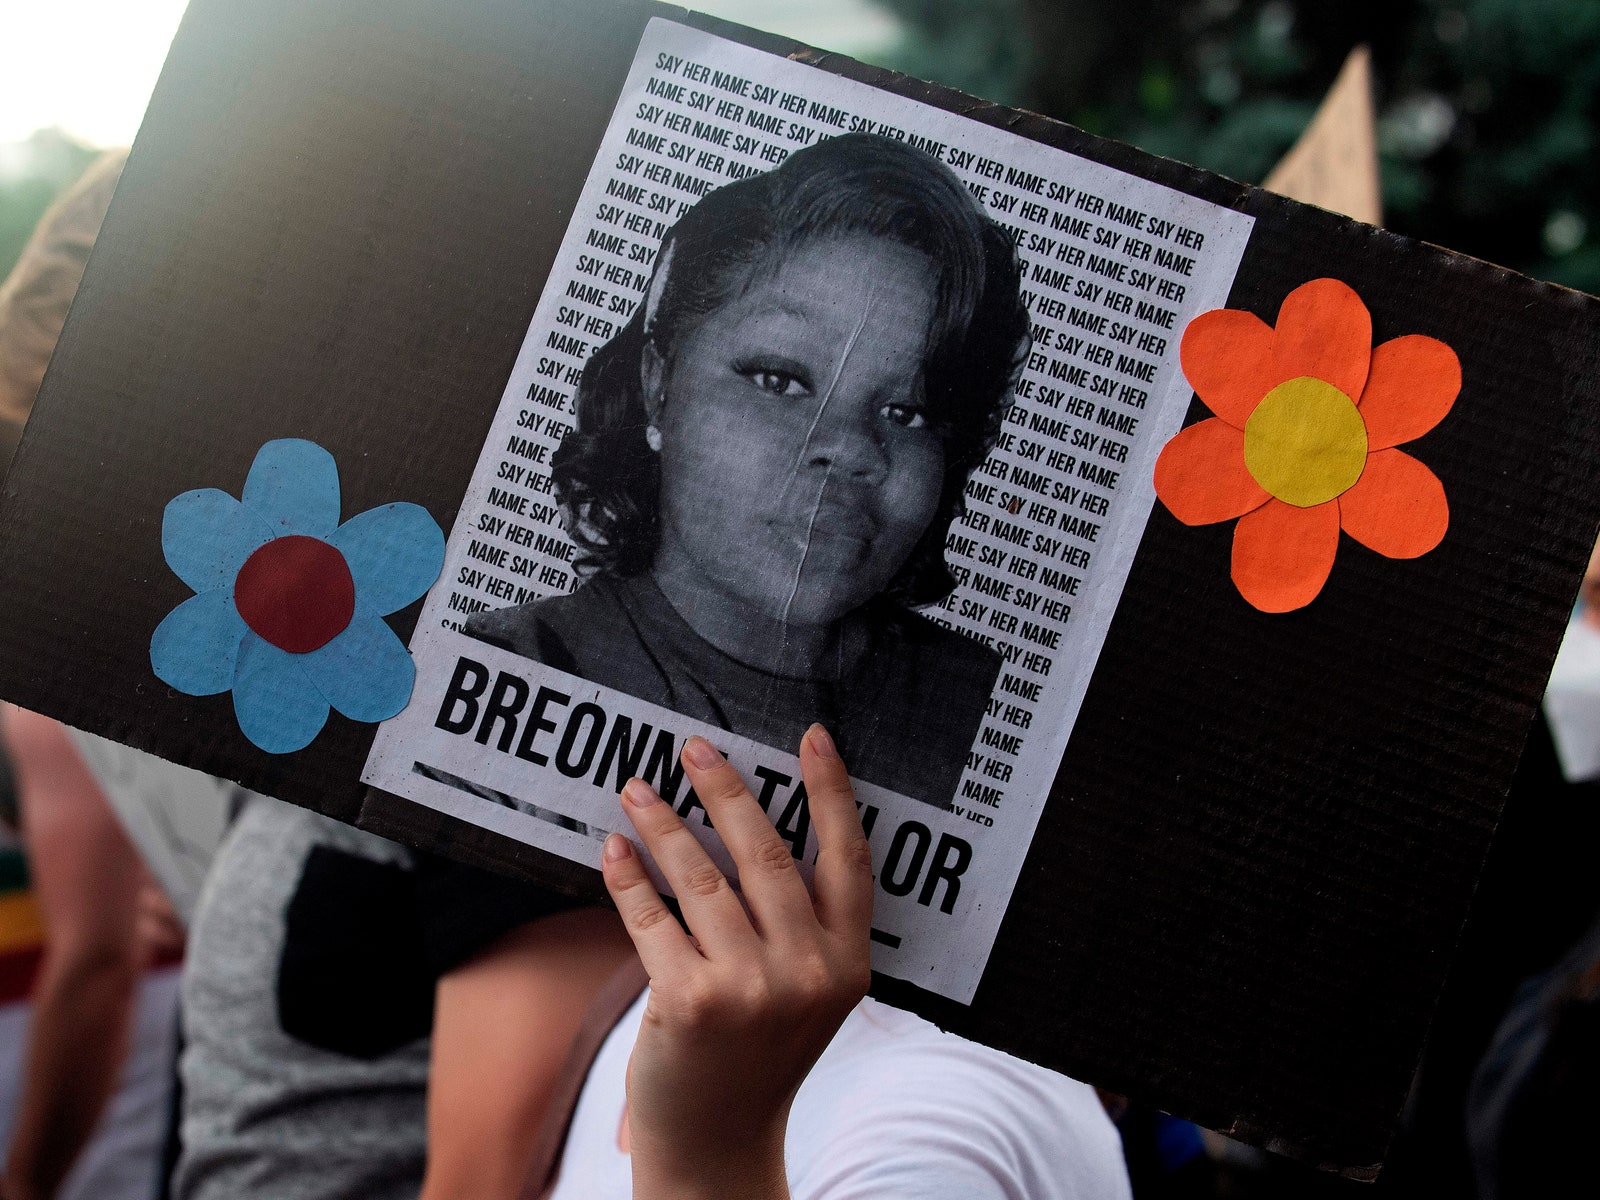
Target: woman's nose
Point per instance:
(847, 440)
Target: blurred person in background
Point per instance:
(1533, 1106)
(1532, 1103)
(90, 1087)
(86, 1091)
(35, 296)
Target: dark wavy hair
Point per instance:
(606, 477)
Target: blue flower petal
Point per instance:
(278, 707)
(195, 647)
(395, 553)
(206, 535)
(366, 672)
(294, 486)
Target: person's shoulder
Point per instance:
(922, 1052)
(958, 651)
(550, 629)
(516, 628)
(899, 1108)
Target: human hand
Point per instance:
(740, 1012)
(157, 927)
(1589, 592)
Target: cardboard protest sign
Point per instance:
(954, 716)
(1202, 555)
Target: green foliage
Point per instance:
(22, 203)
(983, 48)
(1515, 178)
(35, 173)
(1488, 108)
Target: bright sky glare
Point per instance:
(85, 65)
(88, 66)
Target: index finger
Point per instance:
(771, 884)
(843, 879)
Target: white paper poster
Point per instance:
(871, 444)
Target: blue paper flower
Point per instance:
(289, 604)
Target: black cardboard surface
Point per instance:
(1263, 840)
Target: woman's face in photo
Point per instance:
(798, 463)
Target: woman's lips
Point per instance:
(832, 521)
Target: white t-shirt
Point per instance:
(893, 1110)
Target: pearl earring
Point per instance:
(652, 438)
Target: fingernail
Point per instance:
(640, 794)
(617, 848)
(702, 753)
(821, 744)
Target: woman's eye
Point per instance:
(908, 415)
(778, 383)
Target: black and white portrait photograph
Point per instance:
(836, 405)
(768, 458)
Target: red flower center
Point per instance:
(296, 592)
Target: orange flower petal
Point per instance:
(1282, 554)
(1413, 383)
(1227, 357)
(1201, 475)
(1397, 507)
(1323, 331)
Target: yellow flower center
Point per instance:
(1306, 442)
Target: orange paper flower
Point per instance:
(1303, 443)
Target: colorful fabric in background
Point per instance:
(21, 929)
